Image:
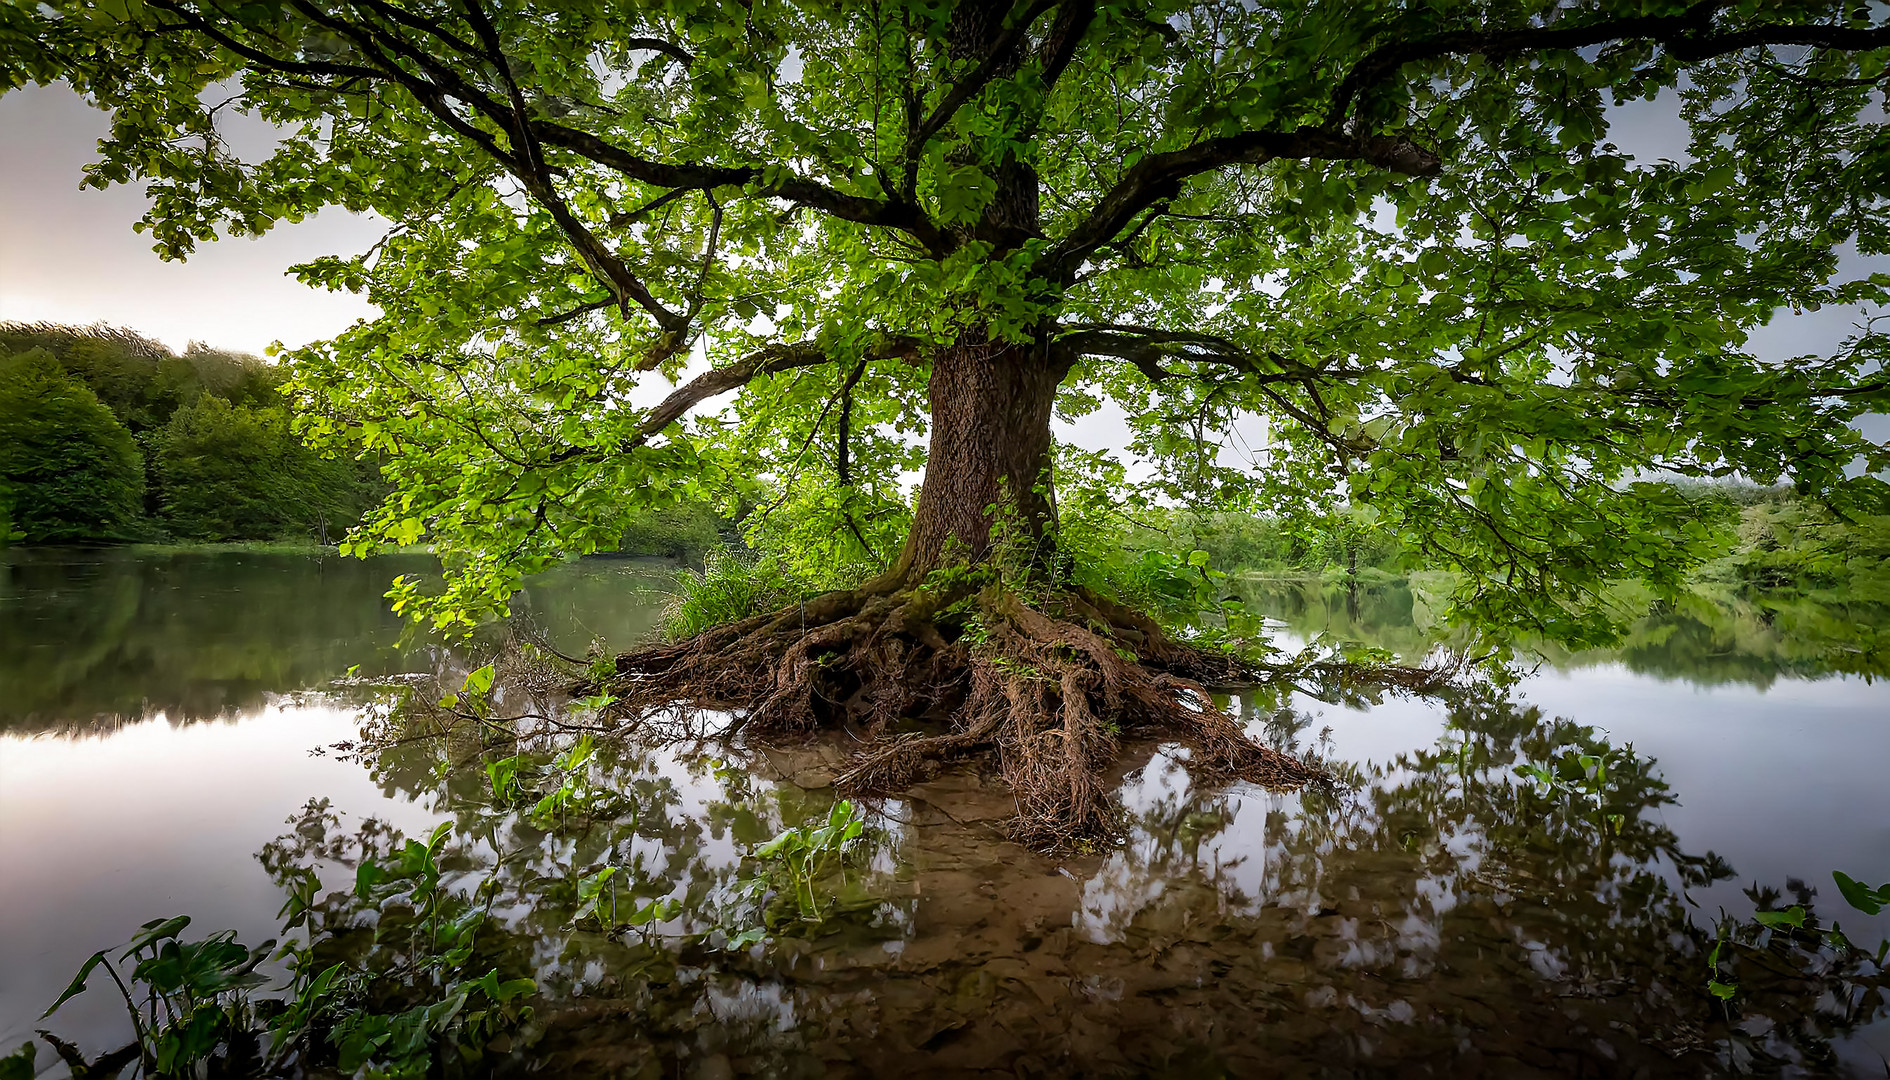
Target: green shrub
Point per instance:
(68, 469)
(728, 587)
(823, 534)
(140, 380)
(677, 532)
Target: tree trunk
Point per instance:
(990, 449)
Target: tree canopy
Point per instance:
(1397, 233)
(68, 469)
(212, 453)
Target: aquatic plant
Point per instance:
(798, 857)
(393, 1010)
(1592, 774)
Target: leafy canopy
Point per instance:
(68, 469)
(1395, 231)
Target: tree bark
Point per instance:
(990, 400)
(990, 450)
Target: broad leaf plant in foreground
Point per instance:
(1395, 234)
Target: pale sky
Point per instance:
(69, 256)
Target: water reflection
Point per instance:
(1443, 914)
(90, 639)
(1711, 638)
(1436, 914)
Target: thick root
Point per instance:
(1043, 691)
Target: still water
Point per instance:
(166, 720)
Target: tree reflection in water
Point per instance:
(1438, 913)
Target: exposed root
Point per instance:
(1045, 691)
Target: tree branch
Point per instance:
(765, 361)
(885, 213)
(1158, 177)
(721, 380)
(1688, 36)
(1146, 347)
(669, 49)
(966, 88)
(1059, 46)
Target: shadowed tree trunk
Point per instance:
(990, 451)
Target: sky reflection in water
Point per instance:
(156, 740)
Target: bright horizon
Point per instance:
(70, 256)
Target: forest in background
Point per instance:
(109, 436)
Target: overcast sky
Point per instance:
(69, 255)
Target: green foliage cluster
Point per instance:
(800, 876)
(238, 472)
(824, 533)
(1127, 541)
(1402, 236)
(92, 414)
(402, 1008)
(68, 469)
(684, 531)
(142, 381)
(1789, 546)
(731, 585)
(1792, 933)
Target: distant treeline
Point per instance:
(106, 435)
(1774, 547)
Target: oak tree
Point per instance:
(1394, 233)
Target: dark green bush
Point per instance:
(68, 469)
(237, 472)
(140, 380)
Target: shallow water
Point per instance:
(1437, 915)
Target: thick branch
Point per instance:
(1159, 176)
(717, 381)
(441, 82)
(1059, 47)
(966, 88)
(1146, 347)
(669, 49)
(720, 381)
(900, 215)
(1688, 36)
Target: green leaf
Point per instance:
(19, 1064)
(479, 680)
(154, 931)
(1792, 917)
(77, 986)
(1860, 896)
(503, 775)
(368, 877)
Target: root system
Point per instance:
(1042, 688)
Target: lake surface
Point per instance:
(166, 720)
